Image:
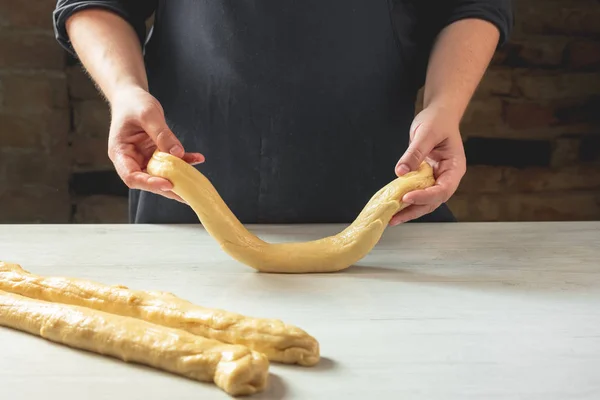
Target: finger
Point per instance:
(445, 186)
(154, 124)
(165, 193)
(438, 193)
(412, 212)
(430, 195)
(154, 184)
(193, 158)
(417, 151)
(132, 175)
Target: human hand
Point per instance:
(434, 138)
(138, 128)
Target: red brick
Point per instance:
(482, 113)
(540, 133)
(496, 81)
(36, 168)
(475, 208)
(557, 85)
(584, 110)
(90, 154)
(35, 204)
(92, 118)
(521, 115)
(542, 51)
(100, 209)
(554, 206)
(81, 87)
(583, 54)
(543, 206)
(529, 115)
(27, 14)
(578, 177)
(549, 113)
(36, 50)
(25, 93)
(46, 130)
(532, 51)
(501, 55)
(482, 179)
(575, 17)
(566, 151)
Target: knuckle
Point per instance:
(417, 154)
(414, 155)
(163, 135)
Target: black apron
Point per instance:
(302, 108)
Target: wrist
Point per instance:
(451, 112)
(124, 91)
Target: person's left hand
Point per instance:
(435, 138)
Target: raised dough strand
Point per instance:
(280, 342)
(235, 369)
(329, 254)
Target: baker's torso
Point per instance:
(302, 109)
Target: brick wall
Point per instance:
(34, 116)
(532, 132)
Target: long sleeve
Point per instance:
(135, 12)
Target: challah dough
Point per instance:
(280, 342)
(234, 368)
(329, 254)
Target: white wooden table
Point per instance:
(449, 311)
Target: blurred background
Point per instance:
(531, 133)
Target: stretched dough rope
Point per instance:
(280, 342)
(329, 254)
(235, 369)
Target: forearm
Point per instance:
(459, 58)
(109, 49)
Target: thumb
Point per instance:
(420, 146)
(156, 127)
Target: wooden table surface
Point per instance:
(435, 311)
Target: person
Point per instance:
(297, 111)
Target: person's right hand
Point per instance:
(138, 128)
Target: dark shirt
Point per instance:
(302, 108)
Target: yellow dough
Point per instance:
(280, 342)
(329, 254)
(234, 368)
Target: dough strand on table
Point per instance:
(279, 341)
(234, 368)
(329, 254)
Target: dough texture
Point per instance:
(280, 342)
(329, 254)
(235, 369)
